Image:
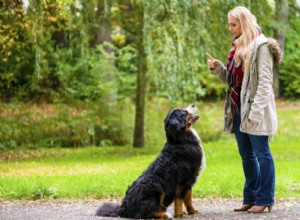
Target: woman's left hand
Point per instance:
(252, 122)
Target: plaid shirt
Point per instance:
(234, 79)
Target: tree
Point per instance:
(289, 70)
(103, 32)
(281, 16)
(138, 139)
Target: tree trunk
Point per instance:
(103, 30)
(138, 139)
(102, 33)
(282, 13)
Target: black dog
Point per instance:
(170, 177)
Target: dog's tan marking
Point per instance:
(178, 208)
(188, 203)
(161, 202)
(187, 125)
(178, 203)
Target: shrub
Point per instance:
(60, 125)
(289, 70)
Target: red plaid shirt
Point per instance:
(234, 79)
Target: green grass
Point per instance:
(103, 172)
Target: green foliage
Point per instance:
(67, 51)
(289, 70)
(175, 43)
(50, 193)
(16, 54)
(60, 125)
(91, 123)
(54, 50)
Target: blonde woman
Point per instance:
(250, 111)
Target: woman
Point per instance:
(250, 111)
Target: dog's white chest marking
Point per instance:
(203, 161)
(196, 134)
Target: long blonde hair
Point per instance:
(249, 28)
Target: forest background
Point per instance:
(78, 73)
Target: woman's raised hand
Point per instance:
(212, 62)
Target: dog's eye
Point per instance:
(185, 112)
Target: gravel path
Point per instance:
(288, 209)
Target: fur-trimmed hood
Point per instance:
(276, 51)
(273, 46)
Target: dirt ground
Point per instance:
(288, 209)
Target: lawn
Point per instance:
(105, 172)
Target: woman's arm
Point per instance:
(220, 72)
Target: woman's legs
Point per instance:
(265, 193)
(250, 163)
(258, 166)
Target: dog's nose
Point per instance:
(191, 109)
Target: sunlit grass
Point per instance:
(92, 177)
(73, 177)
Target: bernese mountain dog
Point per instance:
(169, 178)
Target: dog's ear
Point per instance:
(175, 121)
(168, 116)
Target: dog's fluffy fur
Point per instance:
(170, 177)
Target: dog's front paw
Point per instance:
(193, 211)
(168, 216)
(179, 214)
(162, 215)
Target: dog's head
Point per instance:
(179, 121)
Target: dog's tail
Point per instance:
(108, 210)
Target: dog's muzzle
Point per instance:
(192, 109)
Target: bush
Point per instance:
(61, 125)
(289, 70)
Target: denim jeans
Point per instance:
(258, 166)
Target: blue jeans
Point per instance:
(258, 166)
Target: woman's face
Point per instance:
(234, 26)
